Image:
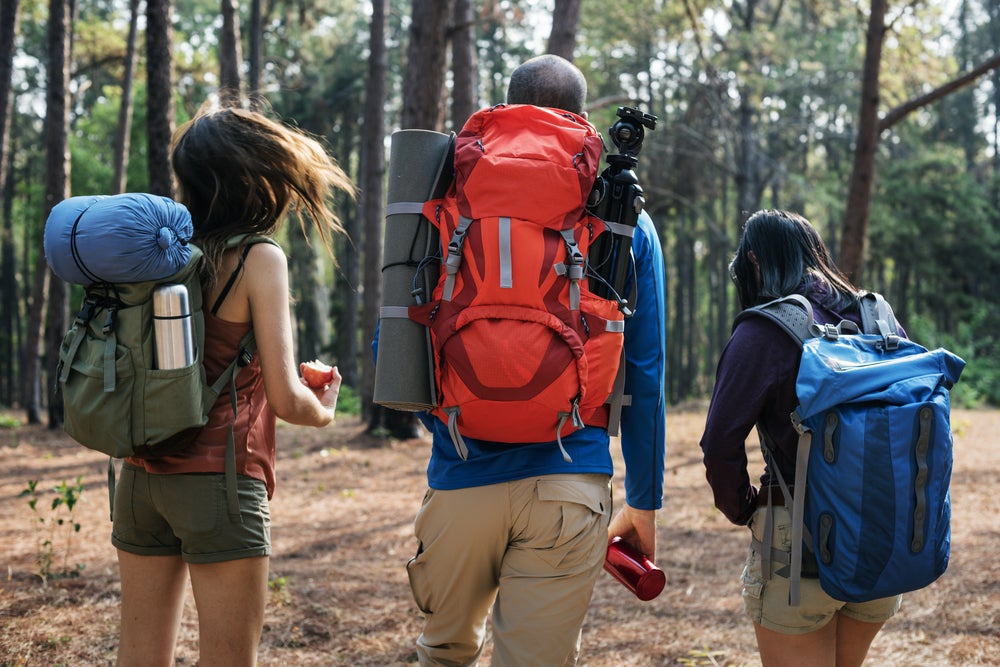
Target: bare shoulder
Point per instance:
(265, 257)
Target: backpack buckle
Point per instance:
(889, 342)
(109, 321)
(245, 358)
(86, 311)
(830, 331)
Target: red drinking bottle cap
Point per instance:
(639, 574)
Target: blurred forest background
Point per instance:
(877, 119)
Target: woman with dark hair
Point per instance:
(239, 172)
(780, 253)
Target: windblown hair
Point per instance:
(781, 253)
(548, 81)
(239, 171)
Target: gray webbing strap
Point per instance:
(454, 259)
(574, 267)
(799, 532)
(110, 343)
(456, 437)
(81, 330)
(619, 229)
(247, 348)
(617, 399)
(394, 312)
(563, 416)
(404, 208)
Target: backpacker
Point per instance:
(871, 497)
(115, 400)
(523, 350)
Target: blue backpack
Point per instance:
(874, 453)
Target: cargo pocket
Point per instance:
(576, 510)
(416, 572)
(753, 586)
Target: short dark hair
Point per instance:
(548, 81)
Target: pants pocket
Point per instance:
(415, 572)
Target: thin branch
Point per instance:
(897, 114)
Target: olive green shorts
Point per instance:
(186, 515)
(766, 600)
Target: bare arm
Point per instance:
(265, 279)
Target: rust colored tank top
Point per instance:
(254, 429)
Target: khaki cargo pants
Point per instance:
(530, 549)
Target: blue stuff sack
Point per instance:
(124, 238)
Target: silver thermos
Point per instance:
(172, 332)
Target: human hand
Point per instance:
(637, 528)
(316, 374)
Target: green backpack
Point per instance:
(115, 400)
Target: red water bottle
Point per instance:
(638, 574)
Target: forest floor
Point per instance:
(342, 532)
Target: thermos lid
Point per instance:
(171, 300)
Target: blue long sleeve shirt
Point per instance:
(643, 423)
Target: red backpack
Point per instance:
(523, 350)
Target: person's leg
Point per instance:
(230, 597)
(556, 553)
(462, 537)
(813, 649)
(854, 638)
(152, 599)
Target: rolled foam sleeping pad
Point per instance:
(124, 238)
(419, 170)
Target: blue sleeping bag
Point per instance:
(123, 238)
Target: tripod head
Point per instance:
(617, 199)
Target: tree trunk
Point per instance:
(230, 53)
(425, 66)
(160, 95)
(371, 211)
(256, 63)
(565, 19)
(123, 139)
(859, 198)
(9, 19)
(312, 303)
(465, 92)
(56, 189)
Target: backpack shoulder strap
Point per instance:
(234, 242)
(877, 318)
(793, 313)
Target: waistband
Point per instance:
(775, 494)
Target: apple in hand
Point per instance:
(316, 374)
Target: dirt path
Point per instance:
(342, 533)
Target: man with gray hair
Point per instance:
(523, 530)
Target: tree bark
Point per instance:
(565, 20)
(160, 95)
(230, 53)
(51, 294)
(464, 95)
(371, 211)
(854, 230)
(425, 66)
(123, 139)
(855, 227)
(9, 20)
(256, 63)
